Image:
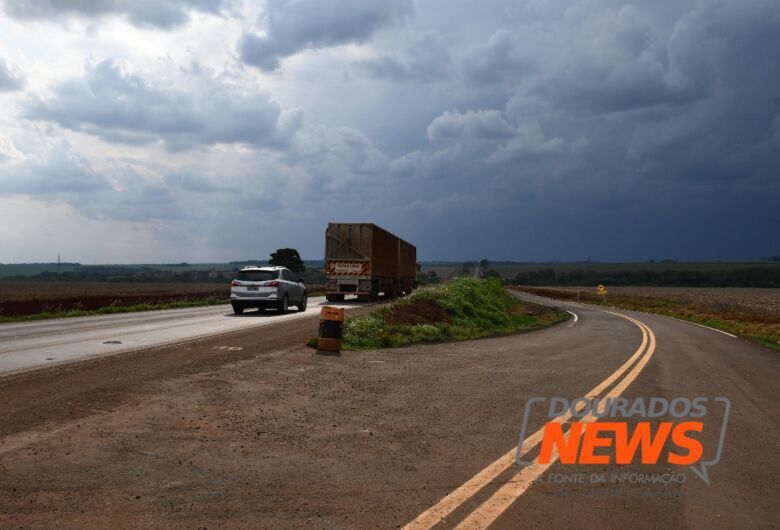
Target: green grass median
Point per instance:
(460, 309)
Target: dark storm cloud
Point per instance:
(118, 105)
(10, 77)
(617, 115)
(295, 25)
(160, 14)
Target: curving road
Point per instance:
(674, 359)
(253, 430)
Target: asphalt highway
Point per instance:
(253, 430)
(36, 344)
(675, 360)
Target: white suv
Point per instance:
(264, 287)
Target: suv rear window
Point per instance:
(256, 276)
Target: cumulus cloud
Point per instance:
(527, 143)
(158, 14)
(119, 105)
(481, 124)
(10, 77)
(592, 59)
(8, 150)
(595, 119)
(482, 146)
(426, 60)
(56, 169)
(295, 25)
(337, 160)
(502, 58)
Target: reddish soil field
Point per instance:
(31, 297)
(759, 304)
(751, 312)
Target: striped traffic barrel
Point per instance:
(331, 323)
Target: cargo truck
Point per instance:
(364, 260)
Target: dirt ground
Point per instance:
(252, 430)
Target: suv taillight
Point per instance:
(271, 284)
(235, 283)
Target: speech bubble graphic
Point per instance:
(700, 469)
(523, 427)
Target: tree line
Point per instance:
(743, 277)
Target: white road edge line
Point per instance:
(576, 318)
(701, 326)
(634, 311)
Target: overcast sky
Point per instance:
(214, 130)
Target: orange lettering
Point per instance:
(625, 449)
(553, 437)
(693, 446)
(591, 441)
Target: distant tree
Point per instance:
(467, 269)
(484, 263)
(287, 257)
(492, 273)
(427, 278)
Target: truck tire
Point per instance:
(334, 297)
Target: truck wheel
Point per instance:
(334, 297)
(237, 309)
(283, 305)
(302, 305)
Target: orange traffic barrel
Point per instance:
(331, 323)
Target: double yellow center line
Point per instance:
(496, 504)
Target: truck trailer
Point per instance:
(363, 259)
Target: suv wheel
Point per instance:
(302, 305)
(283, 305)
(237, 309)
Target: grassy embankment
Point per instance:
(461, 309)
(759, 325)
(178, 304)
